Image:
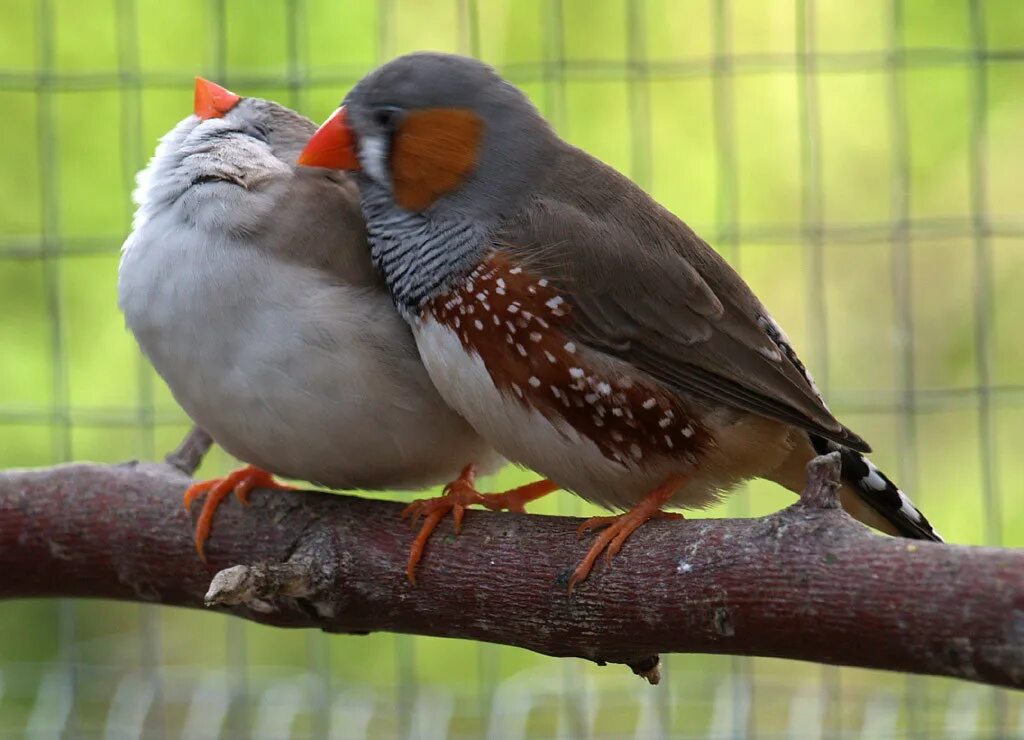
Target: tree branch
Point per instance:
(806, 583)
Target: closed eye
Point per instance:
(209, 178)
(257, 132)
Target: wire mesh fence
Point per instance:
(859, 164)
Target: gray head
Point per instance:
(231, 149)
(228, 171)
(446, 134)
(444, 148)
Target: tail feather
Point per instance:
(876, 490)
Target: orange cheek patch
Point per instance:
(433, 152)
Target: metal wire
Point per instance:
(241, 699)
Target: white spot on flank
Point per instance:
(469, 286)
(616, 411)
(664, 422)
(590, 398)
(497, 321)
(458, 322)
(478, 324)
(515, 271)
(649, 403)
(509, 339)
(576, 372)
(518, 390)
(521, 349)
(535, 336)
(604, 389)
(481, 296)
(513, 307)
(570, 348)
(535, 381)
(635, 451)
(555, 392)
(542, 283)
(555, 302)
(551, 358)
(668, 442)
(686, 431)
(500, 282)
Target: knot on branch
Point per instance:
(257, 586)
(306, 577)
(190, 453)
(822, 489)
(648, 668)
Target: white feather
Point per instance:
(287, 367)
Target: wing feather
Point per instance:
(646, 289)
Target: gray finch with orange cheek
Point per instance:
(580, 326)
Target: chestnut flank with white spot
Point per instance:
(522, 341)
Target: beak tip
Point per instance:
(332, 145)
(211, 100)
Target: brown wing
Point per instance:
(646, 289)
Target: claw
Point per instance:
(241, 482)
(620, 527)
(457, 496)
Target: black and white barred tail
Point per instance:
(878, 492)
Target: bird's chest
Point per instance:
(500, 348)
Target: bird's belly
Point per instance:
(524, 435)
(307, 380)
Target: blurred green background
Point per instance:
(860, 163)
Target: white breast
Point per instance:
(522, 434)
(287, 369)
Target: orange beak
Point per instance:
(212, 100)
(332, 146)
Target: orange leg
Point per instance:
(241, 482)
(620, 527)
(459, 494)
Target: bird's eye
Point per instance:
(259, 132)
(387, 118)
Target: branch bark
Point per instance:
(806, 583)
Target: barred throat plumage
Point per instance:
(419, 257)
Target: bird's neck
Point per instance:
(419, 256)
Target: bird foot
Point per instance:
(621, 526)
(241, 482)
(458, 495)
